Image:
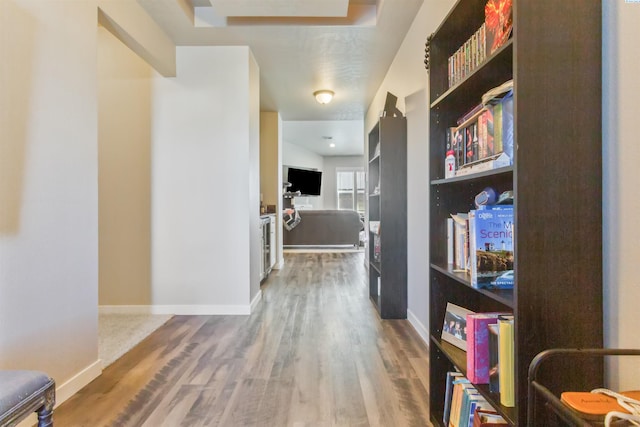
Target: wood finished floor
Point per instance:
(315, 353)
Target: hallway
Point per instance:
(313, 354)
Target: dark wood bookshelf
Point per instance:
(387, 171)
(557, 181)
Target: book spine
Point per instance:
(497, 128)
(494, 371)
(450, 241)
(448, 395)
(506, 362)
(471, 348)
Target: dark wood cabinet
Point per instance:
(554, 58)
(388, 214)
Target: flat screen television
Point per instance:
(304, 180)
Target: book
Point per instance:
(376, 247)
(461, 246)
(507, 125)
(494, 162)
(458, 145)
(494, 371)
(448, 394)
(498, 18)
(478, 346)
(470, 114)
(491, 247)
(475, 405)
(495, 94)
(506, 360)
(488, 418)
(456, 401)
(450, 241)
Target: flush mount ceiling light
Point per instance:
(323, 96)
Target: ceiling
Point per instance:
(301, 46)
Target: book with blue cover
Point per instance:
(491, 247)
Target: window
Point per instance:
(351, 190)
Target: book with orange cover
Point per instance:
(594, 406)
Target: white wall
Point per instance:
(296, 156)
(124, 174)
(407, 78)
(203, 205)
(255, 228)
(49, 190)
(331, 164)
(621, 198)
(271, 171)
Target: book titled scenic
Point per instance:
(491, 240)
(478, 346)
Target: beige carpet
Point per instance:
(119, 333)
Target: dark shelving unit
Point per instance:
(554, 58)
(387, 177)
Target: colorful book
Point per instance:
(507, 125)
(478, 346)
(448, 395)
(458, 145)
(474, 406)
(461, 234)
(498, 18)
(456, 401)
(487, 418)
(494, 367)
(491, 247)
(506, 361)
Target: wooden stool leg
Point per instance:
(45, 414)
(45, 417)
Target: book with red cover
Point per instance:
(485, 418)
(478, 346)
(498, 19)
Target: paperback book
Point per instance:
(491, 247)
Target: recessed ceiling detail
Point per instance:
(265, 8)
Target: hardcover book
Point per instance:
(494, 368)
(478, 346)
(488, 418)
(498, 18)
(458, 145)
(491, 247)
(506, 360)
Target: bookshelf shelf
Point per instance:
(558, 226)
(502, 296)
(474, 176)
(459, 359)
(482, 77)
(387, 205)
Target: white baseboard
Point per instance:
(79, 380)
(202, 310)
(256, 300)
(68, 389)
(278, 265)
(125, 309)
(184, 310)
(422, 330)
